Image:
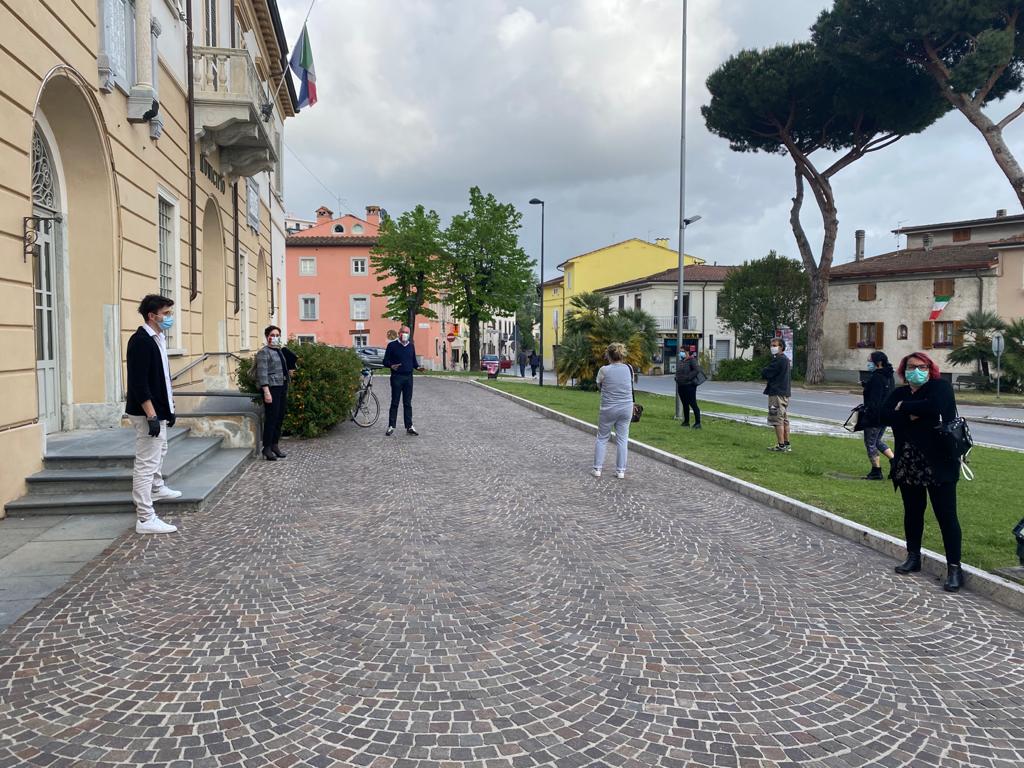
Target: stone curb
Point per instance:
(997, 589)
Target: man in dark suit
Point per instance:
(400, 357)
(150, 408)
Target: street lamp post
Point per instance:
(537, 201)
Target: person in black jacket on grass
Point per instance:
(778, 374)
(876, 390)
(923, 467)
(150, 408)
(687, 375)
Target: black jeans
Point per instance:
(943, 505)
(401, 387)
(273, 415)
(688, 394)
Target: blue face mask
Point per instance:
(916, 377)
(167, 322)
(871, 366)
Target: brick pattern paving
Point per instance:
(473, 597)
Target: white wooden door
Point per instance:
(47, 345)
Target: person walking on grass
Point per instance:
(150, 408)
(272, 379)
(688, 375)
(400, 357)
(778, 375)
(876, 390)
(924, 468)
(615, 381)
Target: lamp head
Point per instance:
(536, 201)
(691, 220)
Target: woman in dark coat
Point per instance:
(688, 373)
(923, 467)
(876, 389)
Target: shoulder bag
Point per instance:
(955, 436)
(700, 378)
(638, 410)
(855, 421)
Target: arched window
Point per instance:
(339, 229)
(357, 229)
(901, 333)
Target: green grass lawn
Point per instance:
(823, 471)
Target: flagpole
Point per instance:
(284, 72)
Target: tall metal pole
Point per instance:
(682, 212)
(542, 294)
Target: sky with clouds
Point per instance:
(577, 102)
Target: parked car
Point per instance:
(371, 356)
(491, 364)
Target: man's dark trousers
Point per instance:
(401, 387)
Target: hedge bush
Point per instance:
(737, 369)
(322, 389)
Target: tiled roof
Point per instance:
(553, 281)
(960, 224)
(338, 240)
(697, 273)
(326, 228)
(941, 258)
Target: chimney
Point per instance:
(661, 242)
(858, 254)
(928, 240)
(373, 214)
(323, 213)
(1000, 213)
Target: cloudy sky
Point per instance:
(577, 102)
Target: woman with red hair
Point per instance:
(923, 468)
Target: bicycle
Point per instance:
(366, 411)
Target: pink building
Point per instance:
(332, 287)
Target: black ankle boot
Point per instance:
(269, 455)
(954, 578)
(911, 565)
(277, 451)
(874, 474)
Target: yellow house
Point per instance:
(611, 265)
(140, 144)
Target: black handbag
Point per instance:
(638, 410)
(855, 421)
(955, 436)
(700, 378)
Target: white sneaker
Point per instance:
(620, 474)
(154, 525)
(163, 492)
(595, 472)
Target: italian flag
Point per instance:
(301, 64)
(939, 305)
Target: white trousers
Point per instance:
(147, 471)
(619, 419)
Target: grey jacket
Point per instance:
(270, 369)
(687, 371)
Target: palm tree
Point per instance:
(979, 326)
(575, 360)
(584, 311)
(1013, 355)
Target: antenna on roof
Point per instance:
(899, 226)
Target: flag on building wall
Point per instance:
(939, 305)
(301, 64)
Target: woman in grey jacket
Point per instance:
(615, 381)
(272, 379)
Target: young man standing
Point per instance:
(150, 408)
(778, 375)
(400, 357)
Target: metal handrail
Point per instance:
(201, 358)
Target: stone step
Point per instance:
(196, 486)
(182, 455)
(102, 448)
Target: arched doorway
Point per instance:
(214, 289)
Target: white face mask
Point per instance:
(776, 350)
(275, 341)
(403, 336)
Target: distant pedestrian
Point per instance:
(877, 389)
(924, 468)
(534, 363)
(465, 360)
(688, 377)
(150, 408)
(272, 378)
(400, 357)
(615, 381)
(778, 374)
(521, 360)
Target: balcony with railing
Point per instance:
(234, 111)
(666, 323)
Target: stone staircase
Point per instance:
(89, 472)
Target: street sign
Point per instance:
(451, 337)
(997, 344)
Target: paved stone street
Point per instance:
(474, 597)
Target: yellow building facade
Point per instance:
(112, 187)
(619, 263)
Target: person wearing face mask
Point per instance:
(272, 375)
(400, 357)
(150, 408)
(778, 375)
(876, 389)
(923, 469)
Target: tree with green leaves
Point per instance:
(972, 50)
(590, 326)
(485, 268)
(1012, 372)
(793, 101)
(527, 315)
(407, 259)
(977, 328)
(762, 295)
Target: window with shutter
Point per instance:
(926, 334)
(879, 335)
(942, 334)
(943, 287)
(851, 335)
(961, 235)
(866, 292)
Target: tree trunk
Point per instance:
(993, 135)
(474, 341)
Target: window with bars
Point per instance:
(165, 233)
(309, 308)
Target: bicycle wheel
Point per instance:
(367, 409)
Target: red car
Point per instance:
(491, 364)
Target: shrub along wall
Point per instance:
(322, 388)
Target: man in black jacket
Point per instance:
(400, 357)
(150, 408)
(778, 375)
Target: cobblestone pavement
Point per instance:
(474, 597)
